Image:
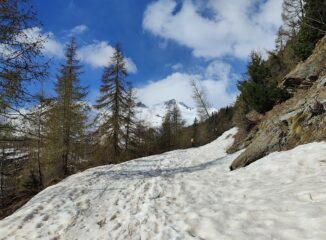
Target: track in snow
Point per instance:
(184, 194)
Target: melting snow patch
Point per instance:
(185, 194)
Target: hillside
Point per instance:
(299, 120)
(184, 194)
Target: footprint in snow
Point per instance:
(155, 192)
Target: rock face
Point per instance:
(254, 116)
(301, 119)
(306, 73)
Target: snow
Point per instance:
(184, 194)
(153, 115)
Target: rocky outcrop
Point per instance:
(306, 73)
(299, 120)
(254, 116)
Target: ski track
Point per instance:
(184, 194)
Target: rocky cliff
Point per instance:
(299, 120)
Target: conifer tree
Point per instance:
(313, 28)
(195, 131)
(166, 132)
(130, 121)
(146, 139)
(36, 123)
(40, 126)
(258, 91)
(20, 50)
(68, 115)
(113, 100)
(177, 121)
(293, 14)
(171, 128)
(20, 60)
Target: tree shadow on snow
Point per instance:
(150, 173)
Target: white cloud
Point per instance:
(218, 70)
(177, 86)
(51, 46)
(131, 66)
(215, 28)
(79, 29)
(177, 66)
(98, 54)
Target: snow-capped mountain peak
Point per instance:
(170, 103)
(141, 105)
(185, 105)
(153, 115)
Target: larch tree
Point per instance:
(304, 23)
(195, 130)
(36, 122)
(146, 139)
(67, 115)
(113, 100)
(130, 120)
(177, 121)
(293, 14)
(166, 132)
(40, 132)
(21, 50)
(171, 128)
(312, 28)
(200, 98)
(20, 64)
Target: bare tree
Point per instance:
(293, 14)
(200, 98)
(298, 14)
(315, 16)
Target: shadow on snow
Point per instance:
(150, 173)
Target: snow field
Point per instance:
(184, 194)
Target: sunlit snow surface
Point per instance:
(185, 194)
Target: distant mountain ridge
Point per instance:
(153, 115)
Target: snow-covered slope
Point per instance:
(184, 194)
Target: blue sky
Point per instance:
(166, 42)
